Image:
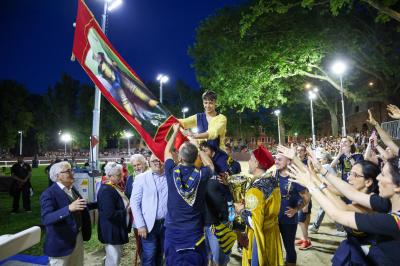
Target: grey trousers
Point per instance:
(320, 216)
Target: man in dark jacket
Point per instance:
(66, 218)
(21, 173)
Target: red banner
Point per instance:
(119, 84)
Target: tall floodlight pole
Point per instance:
(184, 111)
(109, 5)
(312, 96)
(65, 137)
(162, 79)
(339, 68)
(277, 113)
(20, 142)
(128, 135)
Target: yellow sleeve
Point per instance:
(190, 122)
(217, 127)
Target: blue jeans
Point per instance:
(153, 245)
(215, 253)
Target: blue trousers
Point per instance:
(153, 246)
(288, 232)
(187, 257)
(215, 253)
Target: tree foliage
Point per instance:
(280, 51)
(383, 11)
(14, 114)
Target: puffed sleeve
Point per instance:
(217, 127)
(190, 122)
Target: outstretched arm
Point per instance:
(346, 218)
(170, 143)
(216, 128)
(382, 133)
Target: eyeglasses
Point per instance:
(156, 161)
(356, 175)
(69, 171)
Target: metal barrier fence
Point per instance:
(392, 128)
(9, 163)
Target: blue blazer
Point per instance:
(128, 186)
(112, 227)
(61, 228)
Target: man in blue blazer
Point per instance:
(66, 218)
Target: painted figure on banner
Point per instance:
(128, 91)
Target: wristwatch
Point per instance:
(324, 175)
(322, 186)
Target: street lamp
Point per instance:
(20, 142)
(128, 135)
(339, 68)
(277, 113)
(113, 4)
(184, 111)
(162, 79)
(65, 137)
(109, 5)
(312, 95)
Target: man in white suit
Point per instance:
(149, 208)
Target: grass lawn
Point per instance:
(10, 224)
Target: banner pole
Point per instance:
(97, 102)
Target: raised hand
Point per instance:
(287, 152)
(303, 178)
(187, 133)
(373, 139)
(393, 111)
(371, 119)
(176, 127)
(313, 160)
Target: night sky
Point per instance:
(153, 36)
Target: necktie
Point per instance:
(69, 193)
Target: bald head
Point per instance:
(188, 153)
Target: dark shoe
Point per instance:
(313, 229)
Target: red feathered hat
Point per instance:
(264, 157)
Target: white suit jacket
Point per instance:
(144, 200)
